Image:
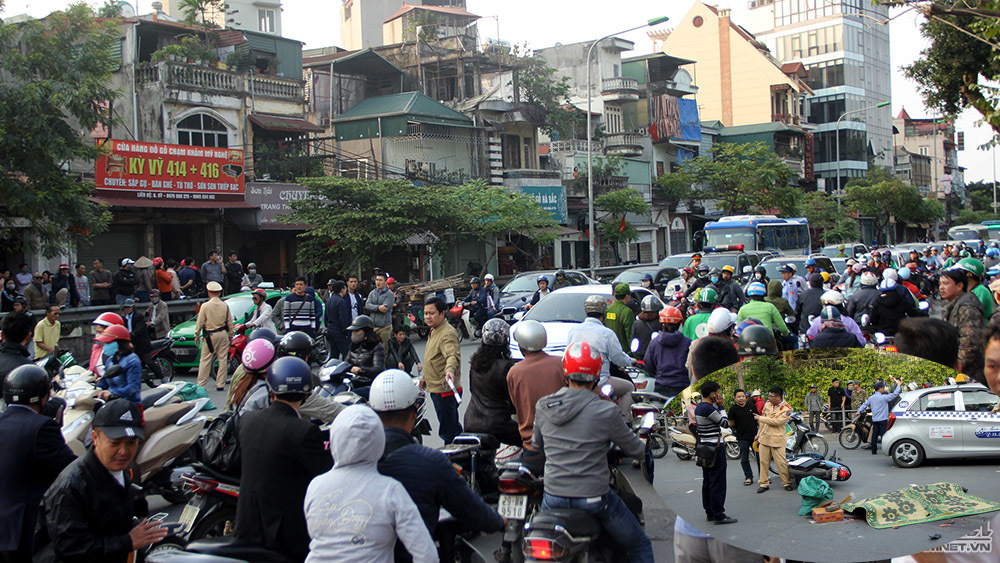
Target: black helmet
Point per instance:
(361, 322)
(756, 340)
(264, 333)
(474, 280)
(26, 385)
(289, 375)
(703, 269)
(295, 343)
(760, 269)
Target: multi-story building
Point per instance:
(249, 15)
(844, 47)
(361, 20)
(933, 141)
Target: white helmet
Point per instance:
(488, 277)
(868, 278)
(890, 274)
(392, 390)
(832, 297)
(720, 321)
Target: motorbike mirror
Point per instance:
(865, 319)
(113, 371)
(925, 306)
(634, 345)
(607, 390)
(880, 338)
(789, 319)
(524, 299)
(648, 420)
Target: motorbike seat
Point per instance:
(159, 343)
(161, 417)
(579, 523)
(150, 397)
(486, 441)
(236, 548)
(218, 476)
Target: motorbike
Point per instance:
(814, 465)
(162, 352)
(576, 535)
(684, 443)
(475, 454)
(236, 346)
(211, 509)
(657, 438)
(216, 550)
(799, 438)
(521, 492)
(857, 432)
(461, 320)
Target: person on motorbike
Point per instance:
(863, 300)
(974, 271)
(836, 300)
(702, 281)
(647, 283)
(425, 473)
(573, 428)
(561, 280)
(102, 322)
(316, 405)
(808, 303)
(281, 453)
(475, 302)
(756, 340)
(35, 451)
(646, 325)
(606, 343)
(963, 311)
(731, 295)
(250, 392)
(118, 352)
(534, 377)
(366, 356)
(688, 276)
(492, 295)
(760, 275)
(879, 402)
(832, 332)
(620, 316)
(541, 292)
(240, 371)
(761, 310)
(261, 315)
(490, 408)
(706, 300)
(667, 354)
(771, 439)
(891, 307)
(721, 325)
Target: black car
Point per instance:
(661, 275)
(773, 265)
(517, 293)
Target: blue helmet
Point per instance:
(647, 277)
(992, 252)
(810, 262)
(756, 289)
(289, 374)
(904, 273)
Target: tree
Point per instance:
(745, 178)
(57, 81)
(831, 225)
(194, 8)
(961, 66)
(671, 189)
(981, 195)
(616, 205)
(882, 197)
(545, 98)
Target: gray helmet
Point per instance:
(474, 280)
(650, 304)
(361, 322)
(703, 268)
(756, 340)
(595, 304)
(829, 313)
(496, 332)
(530, 336)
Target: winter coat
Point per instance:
(764, 312)
(353, 513)
(890, 308)
(643, 331)
(490, 407)
(808, 305)
(834, 335)
(774, 298)
(966, 314)
(862, 302)
(124, 282)
(369, 355)
(665, 358)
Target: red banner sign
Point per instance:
(808, 157)
(157, 171)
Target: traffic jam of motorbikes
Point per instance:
(466, 419)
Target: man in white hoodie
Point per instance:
(354, 513)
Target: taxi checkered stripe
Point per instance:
(935, 414)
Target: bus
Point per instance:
(969, 232)
(759, 232)
(993, 227)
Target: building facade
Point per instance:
(931, 145)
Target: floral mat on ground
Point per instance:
(918, 504)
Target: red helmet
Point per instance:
(260, 293)
(671, 315)
(390, 280)
(582, 363)
(108, 319)
(114, 332)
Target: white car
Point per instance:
(951, 421)
(562, 309)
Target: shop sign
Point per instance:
(273, 201)
(159, 171)
(551, 198)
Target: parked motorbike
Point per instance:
(857, 432)
(475, 454)
(162, 353)
(211, 510)
(799, 438)
(814, 465)
(576, 535)
(684, 443)
(217, 550)
(461, 320)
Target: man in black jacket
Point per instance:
(124, 281)
(88, 514)
(338, 318)
(17, 331)
(281, 453)
(34, 454)
(234, 273)
(135, 322)
(426, 474)
(745, 429)
(809, 302)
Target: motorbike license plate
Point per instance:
(513, 506)
(188, 515)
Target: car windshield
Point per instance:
(633, 276)
(526, 282)
(832, 251)
(719, 260)
(563, 307)
(774, 267)
(676, 261)
(239, 306)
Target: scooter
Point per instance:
(814, 465)
(576, 535)
(799, 438)
(236, 346)
(857, 432)
(162, 353)
(684, 443)
(521, 492)
(475, 454)
(211, 509)
(461, 320)
(216, 550)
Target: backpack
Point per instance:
(220, 445)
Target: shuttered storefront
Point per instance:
(111, 246)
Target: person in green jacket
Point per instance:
(974, 270)
(761, 310)
(774, 298)
(706, 299)
(620, 316)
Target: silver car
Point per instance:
(951, 421)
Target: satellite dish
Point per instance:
(126, 10)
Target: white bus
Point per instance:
(759, 232)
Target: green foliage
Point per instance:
(56, 73)
(616, 205)
(192, 9)
(981, 194)
(544, 98)
(881, 197)
(110, 9)
(796, 371)
(832, 225)
(671, 189)
(745, 178)
(966, 216)
(168, 51)
(354, 220)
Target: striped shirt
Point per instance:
(710, 418)
(300, 313)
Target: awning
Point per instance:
(174, 203)
(422, 238)
(285, 124)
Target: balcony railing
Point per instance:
(620, 88)
(574, 145)
(183, 76)
(623, 143)
(786, 118)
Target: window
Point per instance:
(201, 130)
(979, 401)
(265, 20)
(924, 150)
(613, 119)
(942, 402)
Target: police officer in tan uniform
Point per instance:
(215, 327)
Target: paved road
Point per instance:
(769, 523)
(659, 519)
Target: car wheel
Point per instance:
(849, 438)
(907, 453)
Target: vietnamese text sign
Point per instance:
(551, 198)
(273, 200)
(164, 172)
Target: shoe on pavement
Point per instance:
(726, 520)
(788, 488)
(762, 489)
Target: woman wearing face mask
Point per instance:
(101, 323)
(367, 355)
(647, 283)
(118, 352)
(7, 296)
(252, 279)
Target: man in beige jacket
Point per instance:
(215, 327)
(442, 365)
(771, 438)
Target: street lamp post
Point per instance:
(837, 133)
(590, 148)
